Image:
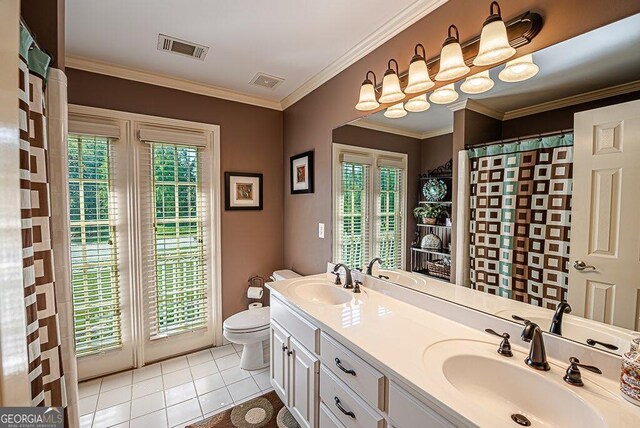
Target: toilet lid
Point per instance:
(251, 319)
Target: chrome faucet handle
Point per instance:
(337, 282)
(573, 375)
(505, 346)
(356, 286)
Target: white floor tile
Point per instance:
(199, 357)
(179, 393)
(147, 404)
(222, 351)
(187, 423)
(87, 405)
(176, 378)
(250, 397)
(156, 420)
(243, 389)
(215, 412)
(237, 347)
(215, 400)
(183, 412)
(147, 387)
(234, 375)
(91, 387)
(202, 370)
(122, 425)
(147, 372)
(116, 381)
(86, 421)
(112, 415)
(263, 380)
(209, 383)
(113, 397)
(174, 364)
(228, 361)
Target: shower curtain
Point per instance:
(520, 219)
(43, 323)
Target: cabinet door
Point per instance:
(279, 370)
(303, 381)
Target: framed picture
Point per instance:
(302, 173)
(244, 191)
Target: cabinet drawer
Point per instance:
(334, 393)
(327, 420)
(405, 411)
(304, 332)
(355, 372)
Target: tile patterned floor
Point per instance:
(171, 393)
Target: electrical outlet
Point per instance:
(321, 230)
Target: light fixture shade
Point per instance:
(417, 104)
(391, 91)
(395, 111)
(452, 64)
(444, 95)
(477, 84)
(494, 44)
(367, 99)
(519, 69)
(419, 79)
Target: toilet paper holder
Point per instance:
(257, 281)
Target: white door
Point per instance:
(605, 224)
(279, 370)
(303, 385)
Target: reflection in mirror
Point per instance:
(519, 201)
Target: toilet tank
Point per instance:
(281, 275)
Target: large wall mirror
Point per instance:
(521, 201)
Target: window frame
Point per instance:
(374, 158)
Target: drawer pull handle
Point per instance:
(284, 348)
(346, 412)
(341, 367)
(289, 353)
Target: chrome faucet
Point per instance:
(537, 354)
(556, 322)
(371, 263)
(348, 282)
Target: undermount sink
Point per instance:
(319, 292)
(504, 389)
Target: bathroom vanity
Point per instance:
(386, 357)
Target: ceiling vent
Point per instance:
(181, 47)
(266, 81)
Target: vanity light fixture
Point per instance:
(417, 104)
(477, 84)
(391, 91)
(419, 79)
(452, 64)
(519, 69)
(444, 95)
(494, 44)
(395, 111)
(367, 100)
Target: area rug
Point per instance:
(266, 411)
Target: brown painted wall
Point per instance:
(251, 141)
(362, 137)
(435, 151)
(309, 122)
(45, 19)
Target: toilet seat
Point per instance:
(248, 321)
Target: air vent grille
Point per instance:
(266, 81)
(181, 47)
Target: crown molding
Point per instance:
(402, 20)
(478, 107)
(586, 97)
(436, 132)
(360, 123)
(128, 73)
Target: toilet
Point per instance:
(250, 328)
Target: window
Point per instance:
(94, 264)
(369, 201)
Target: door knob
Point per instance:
(580, 265)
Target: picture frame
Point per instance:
(243, 191)
(301, 173)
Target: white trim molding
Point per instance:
(363, 123)
(476, 106)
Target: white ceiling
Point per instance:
(292, 39)
(602, 58)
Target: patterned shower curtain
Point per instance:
(43, 331)
(521, 219)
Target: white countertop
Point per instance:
(396, 335)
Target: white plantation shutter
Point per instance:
(354, 216)
(174, 255)
(95, 276)
(389, 221)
